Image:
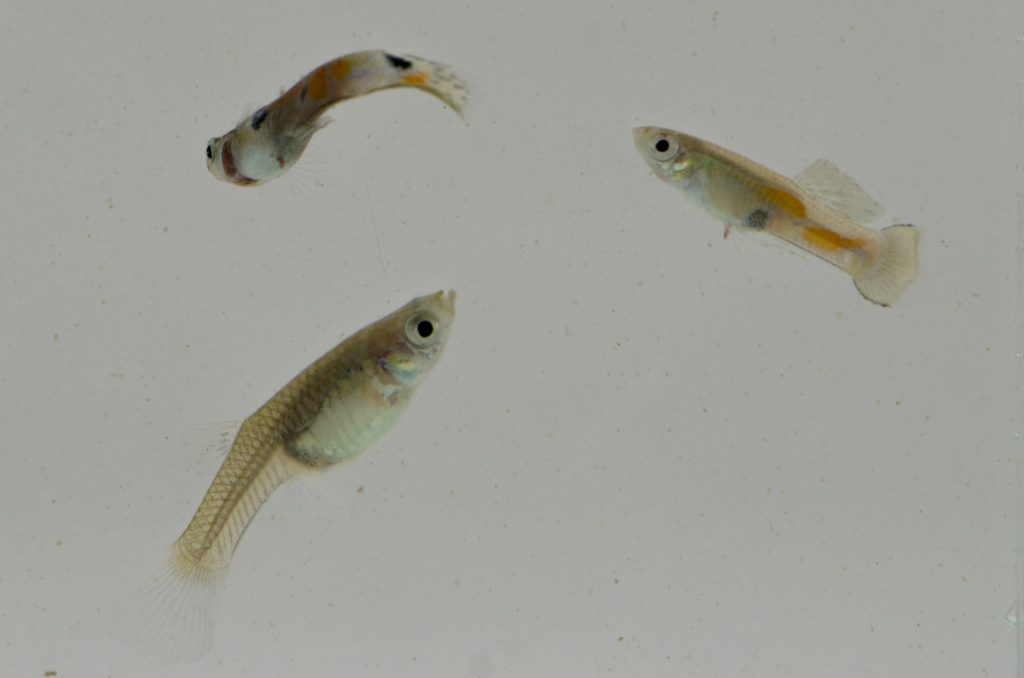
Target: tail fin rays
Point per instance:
(897, 266)
(169, 618)
(439, 80)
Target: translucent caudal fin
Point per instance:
(170, 617)
(896, 268)
(435, 78)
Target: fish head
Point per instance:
(668, 153)
(420, 331)
(220, 160)
(214, 162)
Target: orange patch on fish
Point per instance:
(830, 241)
(786, 201)
(340, 69)
(416, 79)
(318, 84)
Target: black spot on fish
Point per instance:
(758, 218)
(302, 94)
(399, 63)
(258, 117)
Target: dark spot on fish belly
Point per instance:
(758, 218)
(302, 94)
(399, 63)
(258, 117)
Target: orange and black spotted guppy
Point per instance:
(267, 143)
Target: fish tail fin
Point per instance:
(172, 613)
(432, 77)
(895, 269)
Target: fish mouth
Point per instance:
(444, 300)
(445, 306)
(642, 134)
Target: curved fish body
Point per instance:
(267, 143)
(330, 413)
(818, 212)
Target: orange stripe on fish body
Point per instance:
(318, 83)
(785, 201)
(830, 241)
(416, 79)
(340, 68)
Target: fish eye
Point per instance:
(664, 148)
(211, 147)
(421, 330)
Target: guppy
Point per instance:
(330, 413)
(818, 211)
(267, 143)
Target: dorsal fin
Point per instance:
(827, 183)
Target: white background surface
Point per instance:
(647, 452)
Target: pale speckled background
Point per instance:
(648, 451)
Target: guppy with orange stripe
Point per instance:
(267, 143)
(819, 211)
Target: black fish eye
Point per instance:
(425, 328)
(661, 145)
(209, 151)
